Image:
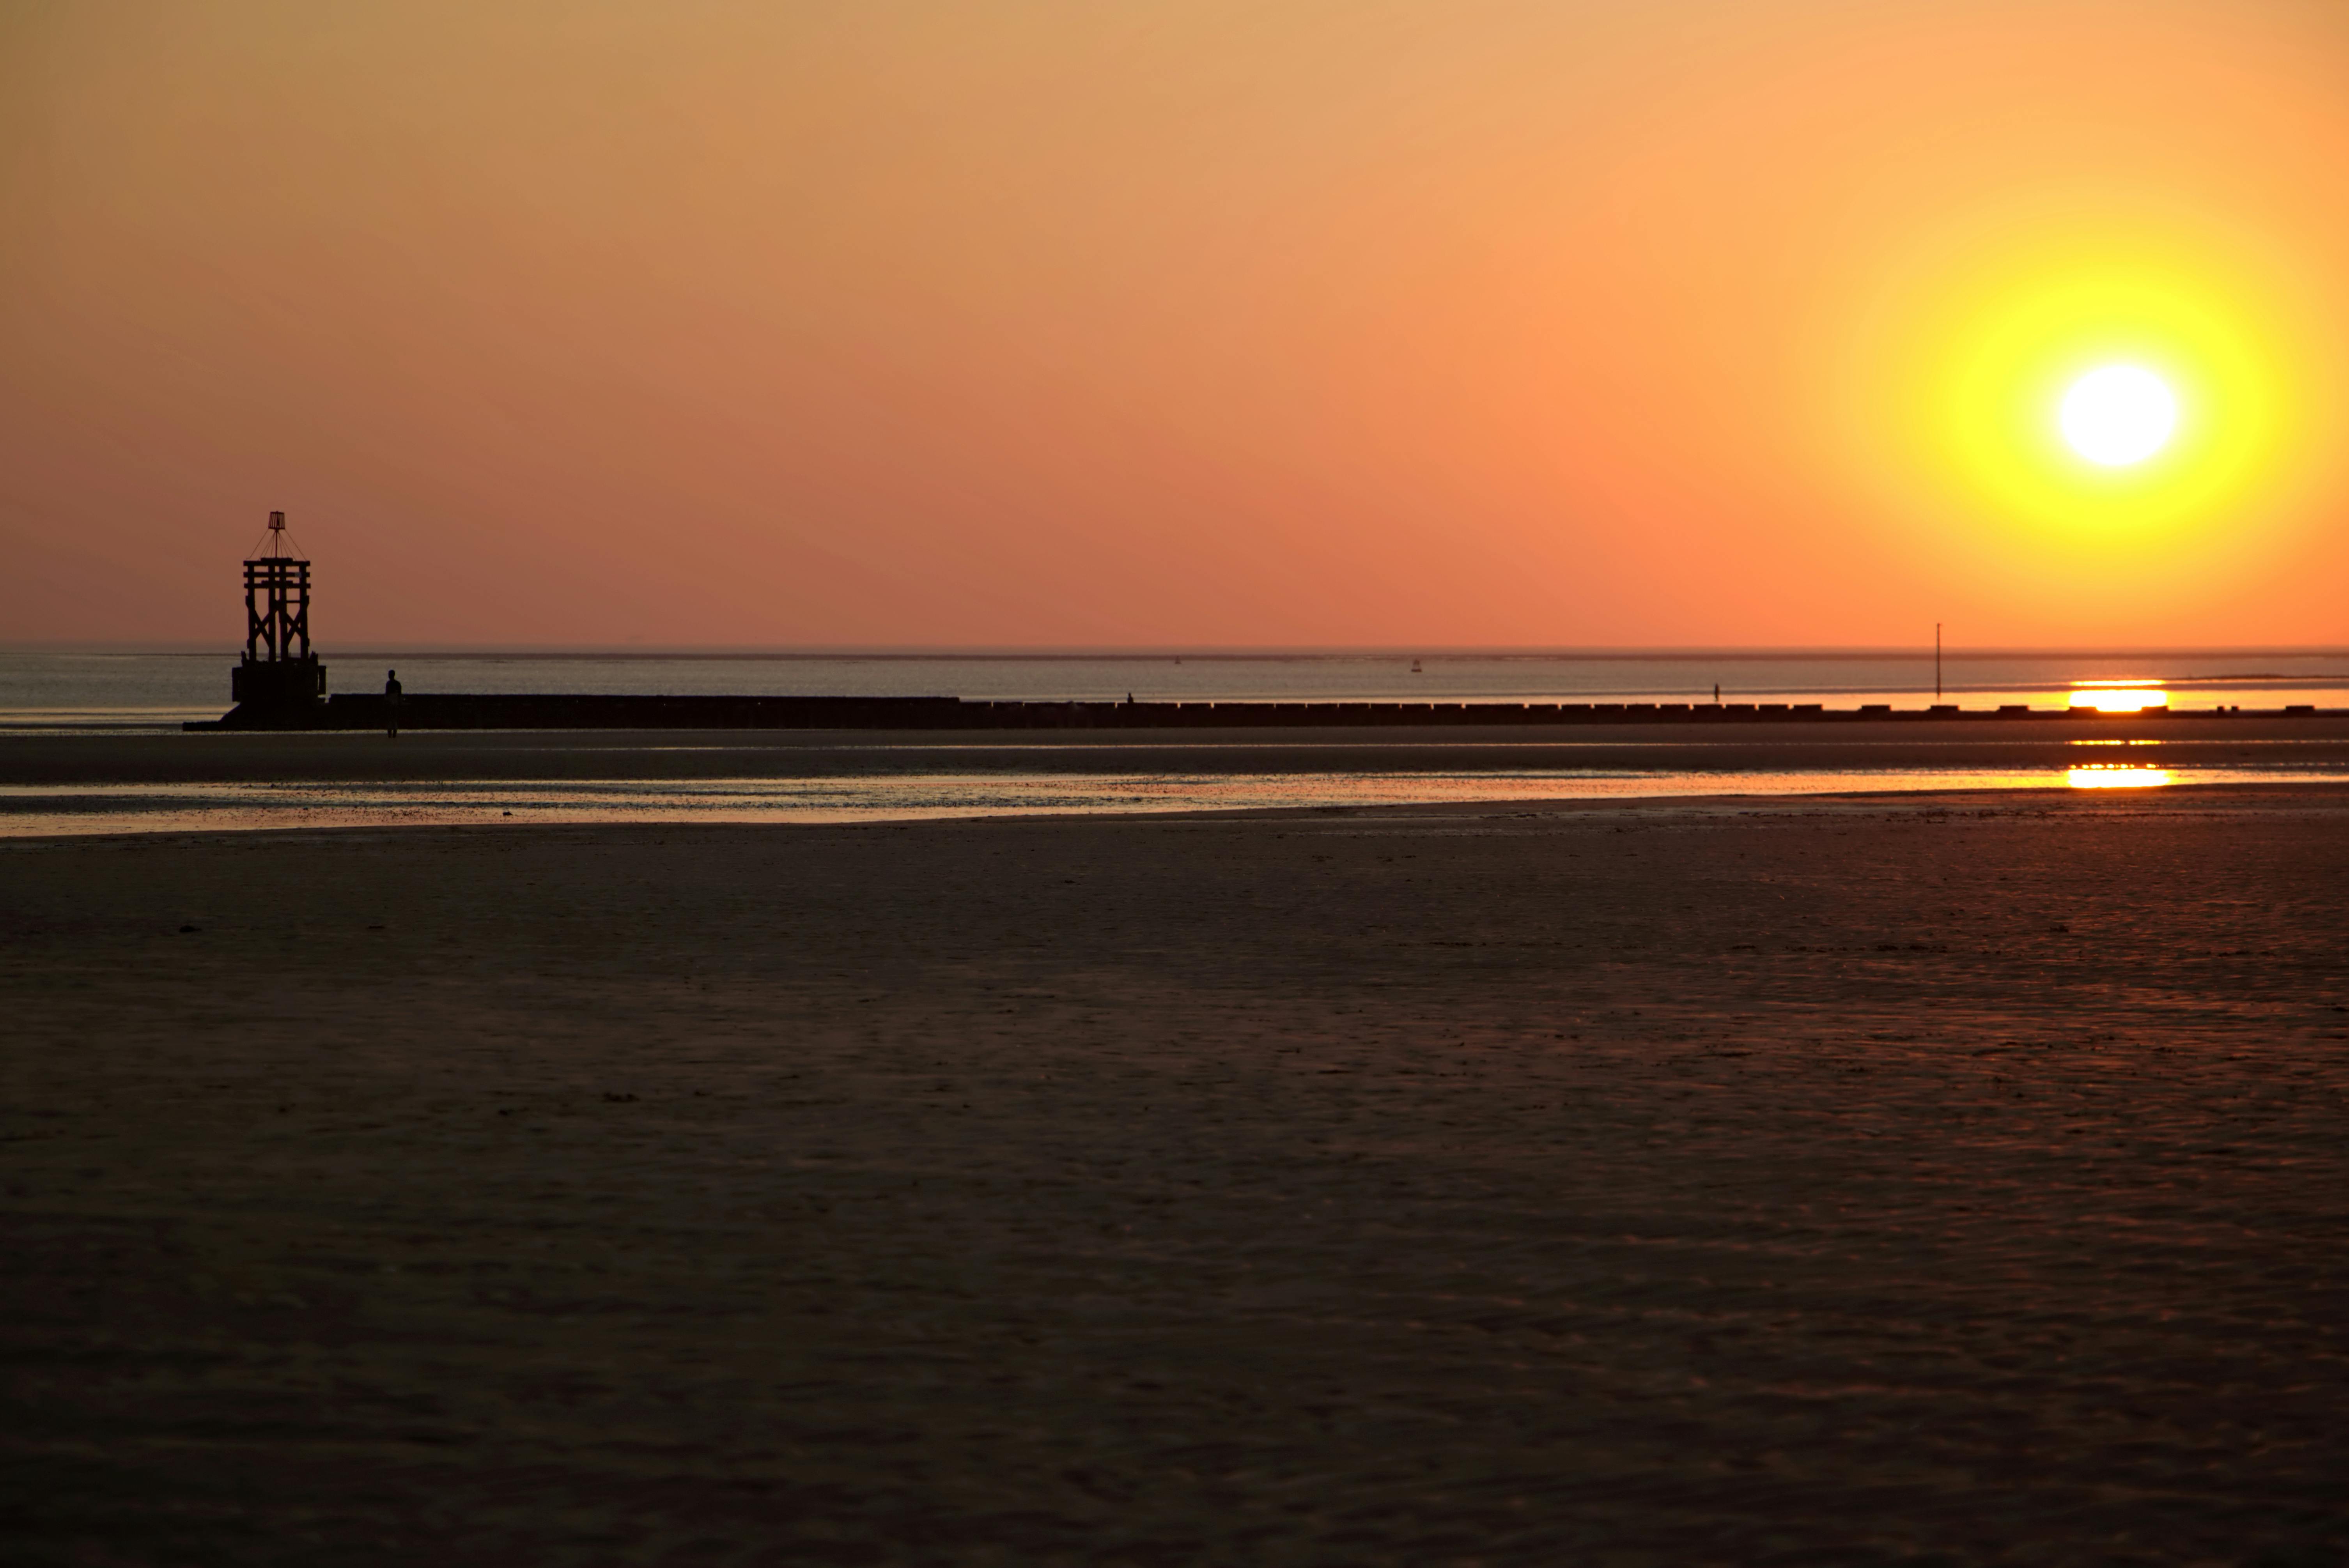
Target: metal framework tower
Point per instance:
(279, 668)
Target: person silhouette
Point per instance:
(392, 703)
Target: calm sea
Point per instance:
(94, 690)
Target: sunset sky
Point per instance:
(1681, 322)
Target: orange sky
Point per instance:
(1466, 323)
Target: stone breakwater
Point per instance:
(468, 711)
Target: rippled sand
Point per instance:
(1955, 1180)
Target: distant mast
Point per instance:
(279, 669)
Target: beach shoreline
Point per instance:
(164, 783)
(226, 756)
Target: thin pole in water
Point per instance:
(1937, 661)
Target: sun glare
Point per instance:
(2118, 414)
(2118, 697)
(2100, 400)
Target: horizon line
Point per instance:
(908, 652)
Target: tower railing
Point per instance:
(278, 665)
(276, 609)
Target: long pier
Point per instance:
(489, 711)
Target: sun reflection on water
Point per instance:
(2118, 697)
(45, 811)
(2116, 776)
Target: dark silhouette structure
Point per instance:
(279, 672)
(282, 685)
(567, 710)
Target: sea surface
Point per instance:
(127, 694)
(50, 690)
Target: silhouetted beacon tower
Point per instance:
(279, 669)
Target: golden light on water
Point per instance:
(2116, 776)
(2119, 696)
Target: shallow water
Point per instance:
(41, 812)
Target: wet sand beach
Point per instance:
(65, 759)
(81, 782)
(1932, 1179)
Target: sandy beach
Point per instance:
(1923, 1180)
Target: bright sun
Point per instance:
(2118, 414)
(2122, 403)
